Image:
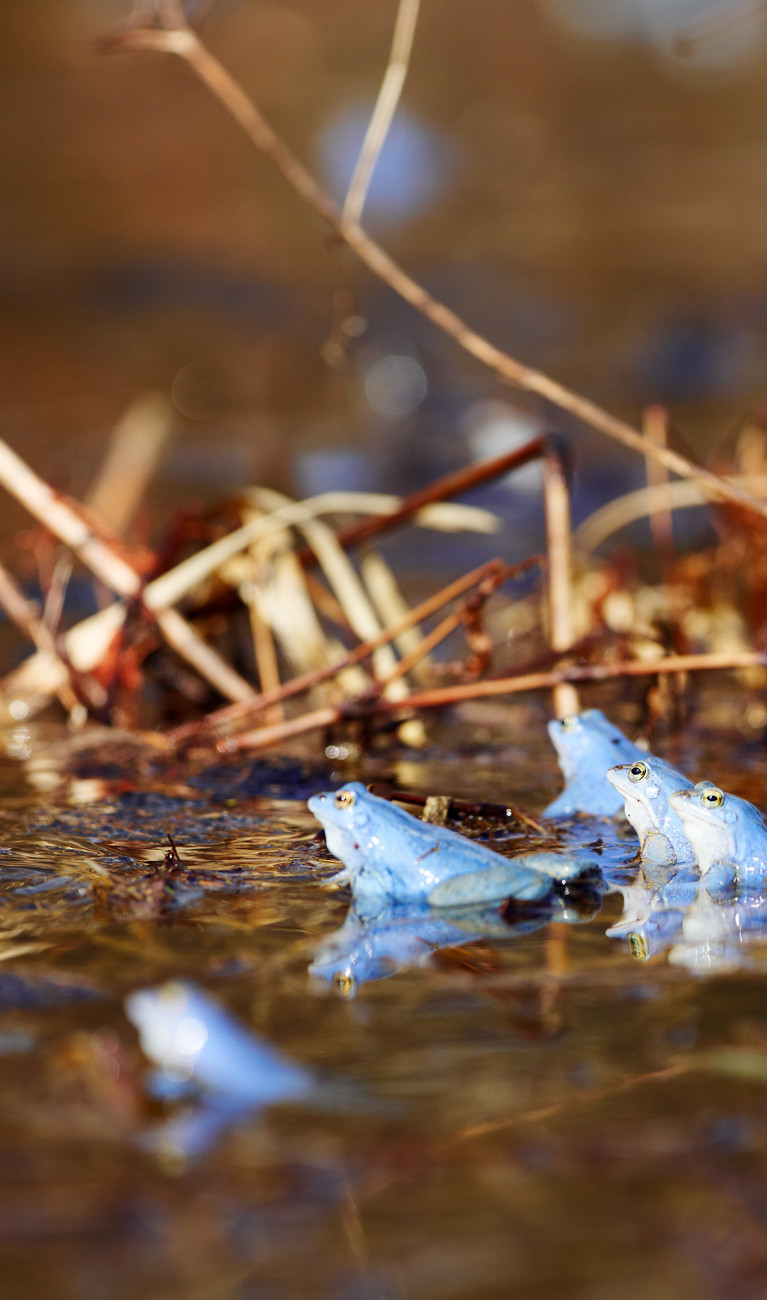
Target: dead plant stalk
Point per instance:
(179, 39)
(445, 696)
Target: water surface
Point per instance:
(531, 1112)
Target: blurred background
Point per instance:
(585, 181)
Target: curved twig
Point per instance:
(185, 44)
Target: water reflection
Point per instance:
(200, 1049)
(368, 948)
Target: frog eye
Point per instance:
(344, 982)
(569, 722)
(638, 771)
(712, 798)
(638, 946)
(345, 799)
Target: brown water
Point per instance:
(528, 1114)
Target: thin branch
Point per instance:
(556, 500)
(442, 697)
(626, 509)
(443, 629)
(27, 617)
(187, 46)
(64, 521)
(235, 714)
(385, 108)
(656, 425)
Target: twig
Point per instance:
(137, 443)
(450, 485)
(62, 520)
(444, 696)
(556, 498)
(234, 714)
(385, 108)
(484, 590)
(626, 509)
(87, 642)
(187, 46)
(655, 424)
(26, 616)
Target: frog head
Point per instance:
(721, 827)
(345, 816)
(587, 744)
(646, 786)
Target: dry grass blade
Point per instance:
(184, 43)
(627, 509)
(383, 589)
(383, 113)
(27, 618)
(237, 714)
(556, 498)
(85, 645)
(352, 597)
(104, 561)
(135, 449)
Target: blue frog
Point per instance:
(729, 839)
(196, 1043)
(389, 856)
(646, 786)
(199, 1049)
(587, 744)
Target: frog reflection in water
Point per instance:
(587, 744)
(729, 838)
(646, 786)
(368, 948)
(389, 856)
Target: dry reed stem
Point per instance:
(26, 617)
(391, 606)
(87, 643)
(64, 522)
(443, 697)
(556, 499)
(383, 113)
(186, 45)
(352, 597)
(234, 714)
(137, 444)
(445, 627)
(626, 509)
(264, 649)
(655, 425)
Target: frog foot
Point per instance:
(338, 880)
(658, 850)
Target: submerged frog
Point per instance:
(729, 838)
(194, 1041)
(646, 786)
(389, 856)
(587, 744)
